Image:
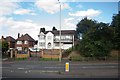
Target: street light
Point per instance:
(60, 55)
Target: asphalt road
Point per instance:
(55, 69)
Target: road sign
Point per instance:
(67, 67)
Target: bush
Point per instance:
(77, 58)
(90, 48)
(67, 52)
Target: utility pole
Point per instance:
(60, 55)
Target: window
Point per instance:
(19, 48)
(42, 37)
(42, 44)
(49, 45)
(26, 42)
(49, 37)
(19, 42)
(56, 44)
(62, 37)
(57, 38)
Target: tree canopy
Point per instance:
(4, 45)
(83, 26)
(115, 24)
(97, 38)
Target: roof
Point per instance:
(10, 39)
(25, 37)
(56, 32)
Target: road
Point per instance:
(55, 69)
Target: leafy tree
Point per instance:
(54, 28)
(83, 26)
(5, 46)
(96, 40)
(116, 27)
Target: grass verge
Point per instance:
(49, 59)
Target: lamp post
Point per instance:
(60, 55)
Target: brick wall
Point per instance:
(22, 55)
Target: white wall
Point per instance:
(49, 39)
(41, 41)
(67, 46)
(63, 46)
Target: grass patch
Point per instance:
(77, 58)
(49, 59)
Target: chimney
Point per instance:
(21, 35)
(2, 37)
(18, 35)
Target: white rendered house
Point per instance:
(51, 39)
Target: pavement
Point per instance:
(34, 68)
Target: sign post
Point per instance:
(67, 67)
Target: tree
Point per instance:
(5, 46)
(83, 26)
(54, 29)
(116, 27)
(96, 40)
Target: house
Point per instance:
(24, 42)
(11, 41)
(51, 39)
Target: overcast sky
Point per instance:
(29, 17)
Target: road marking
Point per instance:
(49, 71)
(90, 64)
(53, 67)
(5, 59)
(29, 71)
(20, 68)
(84, 67)
(100, 67)
(44, 71)
(26, 72)
(4, 67)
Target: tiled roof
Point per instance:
(25, 37)
(10, 39)
(62, 32)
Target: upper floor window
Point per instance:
(42, 37)
(19, 42)
(26, 42)
(49, 37)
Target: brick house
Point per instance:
(24, 42)
(11, 41)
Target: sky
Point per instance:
(28, 17)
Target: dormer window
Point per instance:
(19, 42)
(26, 42)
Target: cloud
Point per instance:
(88, 13)
(13, 27)
(51, 6)
(24, 11)
(7, 8)
(69, 22)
